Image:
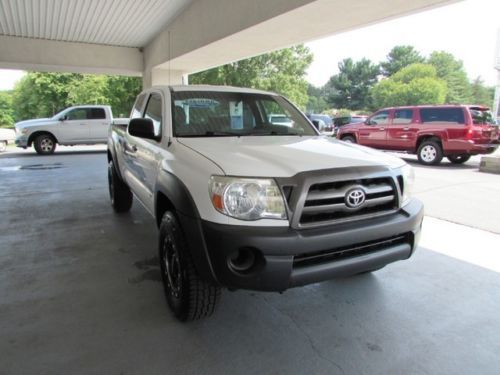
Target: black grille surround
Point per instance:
(318, 198)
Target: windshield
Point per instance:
(481, 116)
(217, 114)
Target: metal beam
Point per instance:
(48, 55)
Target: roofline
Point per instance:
(218, 88)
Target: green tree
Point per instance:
(121, 93)
(316, 102)
(400, 57)
(91, 89)
(350, 88)
(6, 111)
(281, 71)
(413, 85)
(481, 94)
(44, 94)
(453, 73)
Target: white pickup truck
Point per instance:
(246, 203)
(78, 125)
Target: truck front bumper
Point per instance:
(278, 258)
(22, 141)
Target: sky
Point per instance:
(467, 29)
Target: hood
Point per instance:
(283, 156)
(35, 122)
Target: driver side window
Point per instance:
(77, 114)
(380, 118)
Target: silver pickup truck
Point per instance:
(78, 125)
(243, 202)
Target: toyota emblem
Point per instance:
(355, 197)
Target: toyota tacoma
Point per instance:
(243, 202)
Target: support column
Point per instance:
(158, 76)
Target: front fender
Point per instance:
(179, 198)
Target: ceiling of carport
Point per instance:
(126, 23)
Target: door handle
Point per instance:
(130, 149)
(381, 128)
(406, 128)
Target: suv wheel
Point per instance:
(458, 159)
(430, 153)
(188, 296)
(45, 144)
(349, 139)
(119, 193)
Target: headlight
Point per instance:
(247, 198)
(408, 180)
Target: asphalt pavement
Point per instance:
(80, 289)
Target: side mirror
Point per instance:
(63, 118)
(142, 128)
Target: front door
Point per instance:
(402, 132)
(142, 168)
(74, 127)
(373, 132)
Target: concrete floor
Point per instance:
(80, 293)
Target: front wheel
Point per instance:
(188, 296)
(119, 193)
(349, 139)
(45, 144)
(430, 153)
(458, 159)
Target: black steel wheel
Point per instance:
(188, 296)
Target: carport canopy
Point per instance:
(163, 41)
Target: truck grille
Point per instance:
(328, 201)
(336, 254)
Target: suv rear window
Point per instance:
(481, 116)
(454, 115)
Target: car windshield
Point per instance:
(481, 116)
(219, 114)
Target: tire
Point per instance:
(3, 146)
(119, 193)
(458, 159)
(45, 144)
(349, 139)
(188, 296)
(429, 153)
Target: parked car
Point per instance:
(431, 132)
(78, 125)
(246, 204)
(6, 136)
(324, 122)
(280, 119)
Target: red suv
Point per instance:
(431, 132)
